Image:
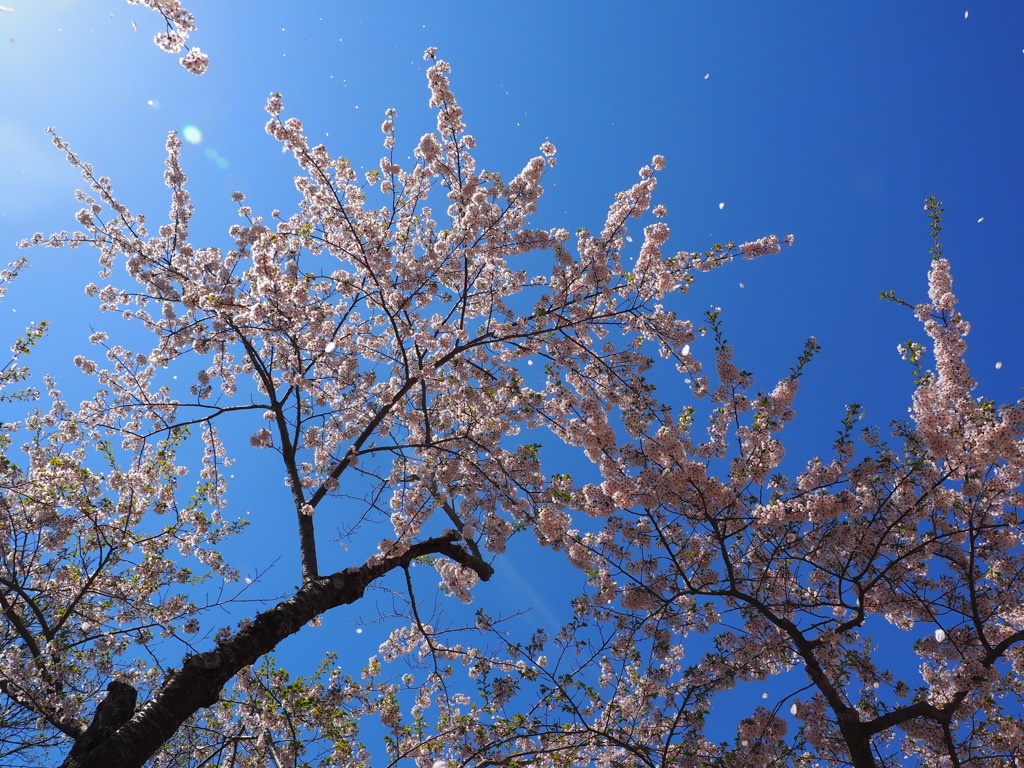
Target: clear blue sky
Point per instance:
(831, 121)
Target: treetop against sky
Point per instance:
(421, 442)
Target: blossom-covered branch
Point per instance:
(180, 23)
(803, 572)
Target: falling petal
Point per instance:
(966, 14)
(331, 346)
(999, 365)
(792, 709)
(940, 635)
(721, 206)
(707, 75)
(6, 8)
(686, 350)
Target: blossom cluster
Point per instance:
(180, 23)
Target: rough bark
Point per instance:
(202, 677)
(115, 710)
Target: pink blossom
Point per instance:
(195, 61)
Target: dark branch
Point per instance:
(199, 683)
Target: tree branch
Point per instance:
(202, 677)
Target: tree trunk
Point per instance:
(199, 683)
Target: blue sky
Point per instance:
(831, 121)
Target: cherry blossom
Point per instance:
(796, 574)
(377, 339)
(179, 24)
(378, 342)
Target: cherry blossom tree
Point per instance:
(382, 355)
(402, 365)
(883, 591)
(921, 533)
